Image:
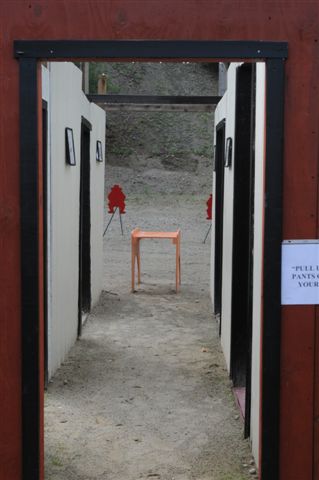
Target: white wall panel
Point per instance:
(67, 106)
(46, 94)
(228, 218)
(220, 114)
(66, 110)
(97, 116)
(226, 109)
(258, 256)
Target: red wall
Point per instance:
(289, 20)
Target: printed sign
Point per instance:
(300, 272)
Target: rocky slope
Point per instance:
(159, 151)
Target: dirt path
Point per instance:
(145, 394)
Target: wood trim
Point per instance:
(150, 49)
(154, 99)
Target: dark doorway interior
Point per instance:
(242, 279)
(45, 234)
(219, 202)
(84, 226)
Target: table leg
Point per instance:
(133, 263)
(121, 221)
(177, 267)
(138, 256)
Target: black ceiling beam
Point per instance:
(149, 49)
(154, 99)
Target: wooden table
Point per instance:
(137, 235)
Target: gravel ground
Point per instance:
(145, 393)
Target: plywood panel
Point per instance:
(10, 337)
(316, 397)
(258, 257)
(297, 392)
(228, 218)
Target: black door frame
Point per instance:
(84, 300)
(219, 210)
(251, 252)
(241, 224)
(241, 315)
(29, 53)
(45, 235)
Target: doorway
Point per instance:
(29, 54)
(84, 227)
(243, 235)
(219, 212)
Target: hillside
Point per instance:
(159, 151)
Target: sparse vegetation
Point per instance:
(170, 135)
(56, 461)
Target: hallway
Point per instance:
(145, 393)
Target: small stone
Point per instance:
(63, 421)
(65, 382)
(252, 462)
(237, 417)
(245, 465)
(252, 471)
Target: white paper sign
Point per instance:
(300, 272)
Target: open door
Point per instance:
(243, 228)
(84, 227)
(219, 212)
